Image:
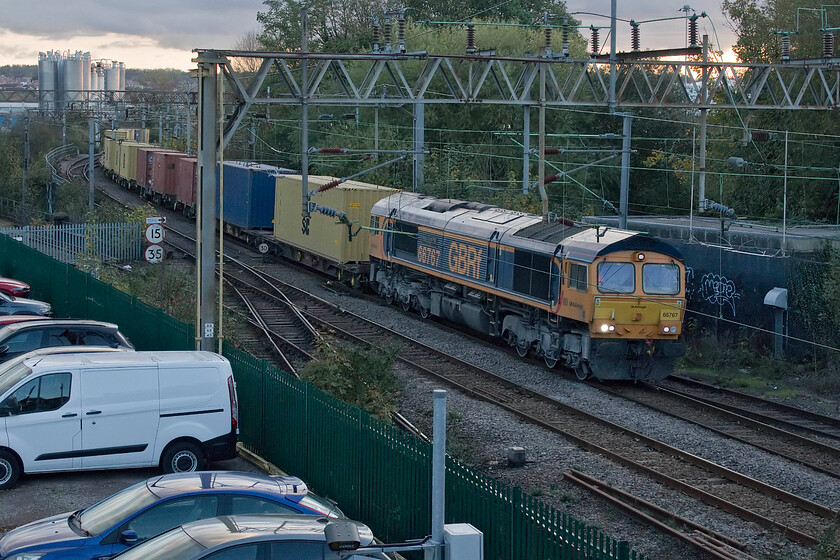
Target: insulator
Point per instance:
(785, 47)
(386, 28)
(760, 135)
(548, 39)
(377, 29)
(401, 31)
(692, 31)
(828, 45)
(594, 42)
(471, 48)
(565, 36)
(635, 37)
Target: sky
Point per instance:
(163, 33)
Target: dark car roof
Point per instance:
(168, 485)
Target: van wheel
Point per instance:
(9, 469)
(182, 456)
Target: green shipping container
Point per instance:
(327, 238)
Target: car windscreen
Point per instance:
(172, 545)
(321, 505)
(9, 377)
(114, 509)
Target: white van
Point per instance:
(116, 410)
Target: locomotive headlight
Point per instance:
(612, 328)
(669, 329)
(605, 327)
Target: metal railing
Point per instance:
(119, 242)
(54, 156)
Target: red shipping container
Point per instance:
(144, 167)
(164, 175)
(185, 184)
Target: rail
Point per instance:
(54, 156)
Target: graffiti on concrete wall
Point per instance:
(714, 289)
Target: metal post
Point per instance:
(189, 128)
(625, 171)
(253, 141)
(541, 133)
(438, 475)
(419, 141)
(63, 127)
(91, 142)
(376, 133)
(207, 145)
(526, 149)
(784, 199)
(703, 115)
(304, 133)
(25, 157)
(613, 18)
(160, 129)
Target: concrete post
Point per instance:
(438, 475)
(526, 149)
(625, 170)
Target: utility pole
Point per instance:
(419, 141)
(63, 127)
(703, 111)
(91, 142)
(304, 133)
(624, 190)
(25, 157)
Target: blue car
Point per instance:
(158, 504)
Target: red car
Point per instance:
(14, 287)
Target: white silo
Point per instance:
(122, 79)
(47, 70)
(86, 75)
(112, 79)
(73, 77)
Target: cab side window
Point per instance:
(45, 393)
(578, 279)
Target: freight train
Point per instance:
(603, 302)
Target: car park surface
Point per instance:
(249, 537)
(158, 504)
(12, 305)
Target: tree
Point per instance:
(250, 41)
(334, 26)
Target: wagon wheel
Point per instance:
(550, 363)
(424, 312)
(583, 371)
(522, 348)
(389, 297)
(406, 304)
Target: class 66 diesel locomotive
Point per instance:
(606, 303)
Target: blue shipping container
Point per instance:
(249, 191)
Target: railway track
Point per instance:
(693, 534)
(797, 518)
(730, 422)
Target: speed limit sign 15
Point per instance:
(154, 254)
(154, 233)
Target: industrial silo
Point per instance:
(74, 77)
(47, 70)
(112, 79)
(122, 79)
(86, 76)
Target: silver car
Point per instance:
(11, 305)
(253, 537)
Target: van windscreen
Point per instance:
(12, 375)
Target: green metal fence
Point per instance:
(377, 473)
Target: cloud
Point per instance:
(183, 24)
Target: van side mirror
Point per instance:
(128, 537)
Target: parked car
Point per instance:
(111, 410)
(158, 504)
(11, 305)
(9, 319)
(14, 287)
(251, 537)
(22, 337)
(9, 365)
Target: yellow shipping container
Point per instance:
(133, 134)
(110, 154)
(327, 238)
(128, 159)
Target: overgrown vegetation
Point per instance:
(364, 378)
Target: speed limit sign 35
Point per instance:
(154, 254)
(154, 233)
